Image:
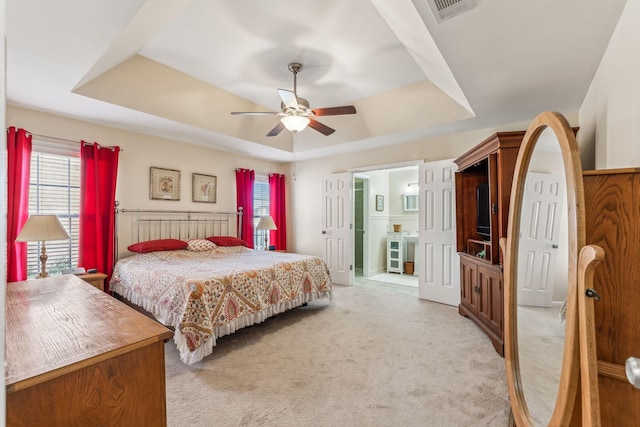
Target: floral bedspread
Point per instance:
(206, 295)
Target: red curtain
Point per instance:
(98, 173)
(278, 211)
(244, 197)
(18, 170)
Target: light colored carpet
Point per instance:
(372, 357)
(396, 278)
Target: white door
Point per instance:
(538, 247)
(336, 227)
(438, 263)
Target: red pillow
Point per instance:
(227, 241)
(158, 245)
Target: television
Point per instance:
(483, 214)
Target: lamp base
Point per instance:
(43, 262)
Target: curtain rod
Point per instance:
(68, 140)
(262, 173)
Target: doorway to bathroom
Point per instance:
(384, 199)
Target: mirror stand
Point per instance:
(578, 365)
(590, 256)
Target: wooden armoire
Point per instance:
(483, 180)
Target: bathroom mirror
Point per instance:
(546, 233)
(410, 202)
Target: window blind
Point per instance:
(54, 188)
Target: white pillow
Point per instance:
(200, 245)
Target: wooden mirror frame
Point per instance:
(569, 378)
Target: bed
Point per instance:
(191, 275)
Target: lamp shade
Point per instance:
(266, 223)
(42, 228)
(295, 123)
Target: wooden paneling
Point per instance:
(612, 200)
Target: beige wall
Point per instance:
(141, 152)
(610, 113)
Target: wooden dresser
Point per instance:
(77, 357)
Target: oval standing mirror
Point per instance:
(541, 292)
(546, 233)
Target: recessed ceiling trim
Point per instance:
(147, 22)
(405, 21)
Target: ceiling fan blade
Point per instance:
(334, 111)
(276, 130)
(288, 98)
(323, 129)
(254, 113)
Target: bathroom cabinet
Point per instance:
(396, 252)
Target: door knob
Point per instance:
(633, 371)
(324, 232)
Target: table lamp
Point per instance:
(42, 228)
(266, 223)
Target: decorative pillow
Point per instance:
(200, 245)
(158, 245)
(227, 241)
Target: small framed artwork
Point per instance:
(379, 202)
(164, 184)
(204, 188)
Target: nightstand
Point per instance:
(94, 279)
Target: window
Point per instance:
(260, 208)
(54, 188)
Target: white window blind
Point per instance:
(260, 208)
(54, 188)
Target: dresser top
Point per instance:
(59, 324)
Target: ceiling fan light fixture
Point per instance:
(295, 123)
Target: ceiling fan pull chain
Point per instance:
(295, 83)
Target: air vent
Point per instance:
(447, 9)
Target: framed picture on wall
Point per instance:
(164, 184)
(203, 188)
(379, 202)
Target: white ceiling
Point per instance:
(176, 68)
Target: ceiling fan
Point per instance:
(296, 114)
